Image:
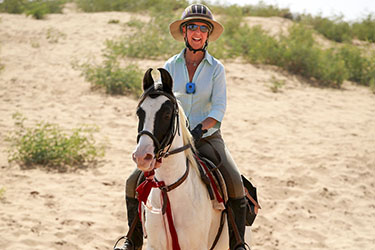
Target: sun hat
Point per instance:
(196, 12)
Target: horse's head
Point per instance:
(157, 114)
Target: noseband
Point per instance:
(160, 151)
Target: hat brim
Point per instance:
(174, 28)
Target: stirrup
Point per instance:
(127, 244)
(244, 246)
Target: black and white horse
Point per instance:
(178, 211)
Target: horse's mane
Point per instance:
(187, 138)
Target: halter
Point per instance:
(162, 148)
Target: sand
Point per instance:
(310, 151)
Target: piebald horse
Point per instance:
(164, 151)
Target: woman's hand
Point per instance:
(198, 132)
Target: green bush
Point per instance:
(365, 30)
(361, 68)
(130, 5)
(35, 8)
(335, 29)
(152, 40)
(48, 145)
(301, 55)
(13, 6)
(261, 9)
(113, 78)
(39, 8)
(297, 52)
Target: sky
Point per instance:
(353, 10)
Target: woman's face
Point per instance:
(197, 34)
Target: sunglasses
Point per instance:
(194, 27)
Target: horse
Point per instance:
(165, 153)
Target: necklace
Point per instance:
(193, 63)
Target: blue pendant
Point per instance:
(190, 88)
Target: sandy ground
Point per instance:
(310, 151)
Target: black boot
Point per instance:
(135, 240)
(238, 209)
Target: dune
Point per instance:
(310, 151)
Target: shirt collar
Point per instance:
(207, 57)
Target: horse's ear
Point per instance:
(167, 80)
(147, 80)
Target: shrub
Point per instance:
(301, 55)
(365, 30)
(261, 9)
(335, 29)
(13, 6)
(361, 68)
(48, 145)
(152, 40)
(129, 5)
(39, 8)
(35, 8)
(114, 79)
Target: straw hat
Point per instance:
(198, 13)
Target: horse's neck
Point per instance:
(174, 166)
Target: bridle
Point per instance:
(162, 147)
(162, 151)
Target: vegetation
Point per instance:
(130, 5)
(35, 8)
(297, 52)
(365, 29)
(49, 146)
(261, 9)
(2, 192)
(114, 79)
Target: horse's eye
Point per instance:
(167, 115)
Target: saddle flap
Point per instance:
(252, 201)
(214, 181)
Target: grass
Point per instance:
(276, 84)
(53, 35)
(2, 193)
(50, 146)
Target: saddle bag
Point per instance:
(252, 201)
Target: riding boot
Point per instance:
(135, 240)
(238, 209)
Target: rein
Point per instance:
(144, 190)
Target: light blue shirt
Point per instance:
(210, 97)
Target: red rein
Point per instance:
(144, 190)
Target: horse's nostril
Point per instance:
(148, 157)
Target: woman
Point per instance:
(200, 86)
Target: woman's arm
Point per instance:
(208, 123)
